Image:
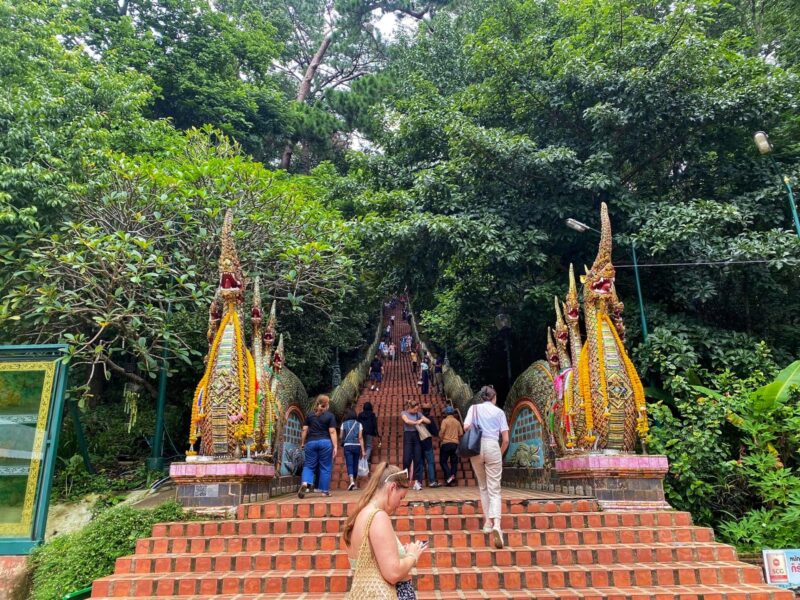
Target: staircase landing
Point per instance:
(427, 496)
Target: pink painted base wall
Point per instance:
(613, 462)
(221, 469)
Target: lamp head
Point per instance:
(762, 142)
(577, 225)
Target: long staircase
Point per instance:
(399, 385)
(556, 546)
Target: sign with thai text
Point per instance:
(782, 568)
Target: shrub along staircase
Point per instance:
(556, 546)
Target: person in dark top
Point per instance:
(369, 421)
(320, 433)
(425, 377)
(376, 373)
(427, 446)
(412, 448)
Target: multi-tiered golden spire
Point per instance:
(224, 401)
(601, 389)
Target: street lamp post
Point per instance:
(582, 228)
(765, 147)
(156, 460)
(503, 323)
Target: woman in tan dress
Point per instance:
(382, 565)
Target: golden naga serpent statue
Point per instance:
(234, 407)
(598, 401)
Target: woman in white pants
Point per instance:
(488, 465)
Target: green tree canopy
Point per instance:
(508, 118)
(209, 66)
(146, 235)
(60, 113)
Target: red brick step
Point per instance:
(739, 592)
(480, 556)
(439, 539)
(484, 577)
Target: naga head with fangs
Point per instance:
(572, 306)
(600, 278)
(231, 280)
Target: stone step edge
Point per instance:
(532, 530)
(428, 580)
(627, 593)
(418, 507)
(184, 534)
(599, 555)
(666, 522)
(466, 533)
(423, 571)
(451, 550)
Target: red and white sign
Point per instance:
(775, 563)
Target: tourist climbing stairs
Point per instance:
(400, 384)
(556, 546)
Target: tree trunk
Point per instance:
(305, 88)
(96, 386)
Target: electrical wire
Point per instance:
(722, 263)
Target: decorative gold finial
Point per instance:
(559, 318)
(573, 287)
(272, 321)
(268, 339)
(552, 352)
(562, 333)
(572, 307)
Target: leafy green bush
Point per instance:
(72, 561)
(690, 422)
(732, 446)
(689, 429)
(769, 418)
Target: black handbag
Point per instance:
(470, 443)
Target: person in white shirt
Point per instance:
(488, 465)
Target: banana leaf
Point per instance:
(767, 397)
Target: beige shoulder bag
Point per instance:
(368, 583)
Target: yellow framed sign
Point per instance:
(32, 384)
